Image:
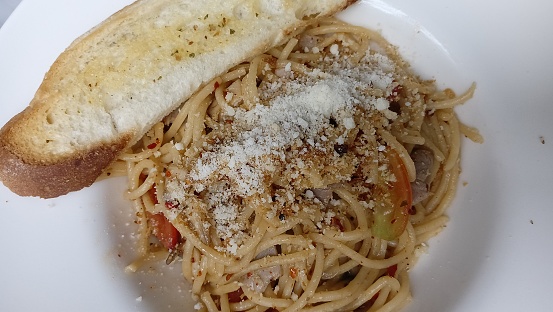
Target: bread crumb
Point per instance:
(296, 116)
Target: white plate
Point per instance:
(69, 253)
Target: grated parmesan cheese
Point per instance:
(179, 146)
(295, 117)
(198, 306)
(349, 123)
(334, 49)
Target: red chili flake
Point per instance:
(391, 271)
(397, 89)
(293, 272)
(228, 276)
(171, 204)
(337, 223)
(395, 93)
(152, 145)
(249, 274)
(168, 173)
(216, 85)
(236, 296)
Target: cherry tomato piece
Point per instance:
(393, 200)
(163, 230)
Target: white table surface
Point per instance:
(6, 8)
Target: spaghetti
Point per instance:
(307, 179)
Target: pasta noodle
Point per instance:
(307, 179)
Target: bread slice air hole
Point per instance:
(50, 119)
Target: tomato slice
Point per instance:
(393, 200)
(164, 230)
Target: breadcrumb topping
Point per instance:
(298, 138)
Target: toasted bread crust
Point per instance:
(48, 180)
(39, 157)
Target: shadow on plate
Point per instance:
(154, 287)
(456, 257)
